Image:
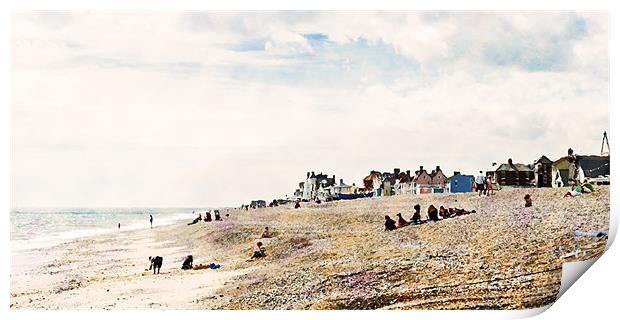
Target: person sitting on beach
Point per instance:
(416, 218)
(217, 216)
(260, 252)
(208, 216)
(156, 263)
(587, 187)
(297, 205)
(195, 221)
(389, 224)
(432, 213)
(443, 213)
(401, 222)
(457, 212)
(266, 233)
(575, 189)
(188, 262)
(528, 200)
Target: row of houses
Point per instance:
(541, 173)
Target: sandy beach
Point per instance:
(333, 255)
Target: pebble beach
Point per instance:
(333, 255)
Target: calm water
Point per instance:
(36, 228)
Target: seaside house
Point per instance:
(422, 182)
(373, 183)
(514, 174)
(313, 183)
(403, 183)
(459, 183)
(438, 180)
(343, 188)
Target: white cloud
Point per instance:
(161, 109)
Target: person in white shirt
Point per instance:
(480, 183)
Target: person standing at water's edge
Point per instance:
(151, 219)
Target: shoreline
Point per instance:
(329, 256)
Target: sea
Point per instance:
(40, 228)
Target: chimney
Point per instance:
(312, 174)
(510, 161)
(334, 178)
(341, 181)
(408, 173)
(421, 168)
(438, 169)
(456, 173)
(396, 171)
(308, 175)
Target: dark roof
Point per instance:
(543, 160)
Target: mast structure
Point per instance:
(605, 140)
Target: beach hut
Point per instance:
(543, 169)
(514, 174)
(593, 167)
(459, 183)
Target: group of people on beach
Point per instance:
(207, 217)
(484, 185)
(579, 184)
(433, 214)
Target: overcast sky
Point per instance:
(215, 109)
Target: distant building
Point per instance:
(373, 183)
(435, 182)
(459, 183)
(315, 184)
(255, 204)
(514, 174)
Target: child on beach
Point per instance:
(528, 200)
(575, 190)
(260, 252)
(156, 263)
(266, 233)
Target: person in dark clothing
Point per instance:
(297, 205)
(208, 216)
(188, 262)
(216, 213)
(528, 200)
(389, 224)
(151, 219)
(416, 219)
(119, 225)
(443, 213)
(156, 263)
(432, 213)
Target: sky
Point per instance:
(194, 109)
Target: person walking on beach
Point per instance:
(151, 219)
(156, 263)
(119, 225)
(489, 186)
(480, 183)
